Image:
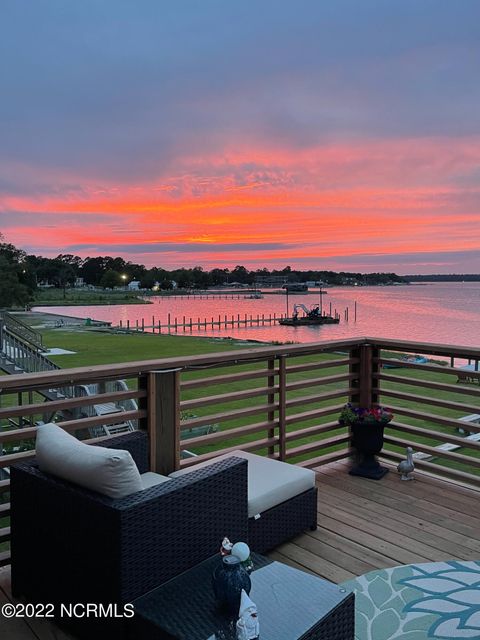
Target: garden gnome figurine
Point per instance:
(247, 624)
(226, 547)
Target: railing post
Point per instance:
(282, 411)
(362, 387)
(271, 400)
(163, 420)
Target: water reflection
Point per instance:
(447, 313)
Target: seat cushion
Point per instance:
(151, 479)
(270, 482)
(111, 472)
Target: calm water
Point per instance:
(447, 313)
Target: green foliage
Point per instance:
(12, 291)
(85, 296)
(110, 279)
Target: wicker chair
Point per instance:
(71, 545)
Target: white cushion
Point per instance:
(111, 472)
(270, 482)
(151, 479)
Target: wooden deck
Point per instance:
(363, 525)
(367, 524)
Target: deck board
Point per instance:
(389, 522)
(363, 525)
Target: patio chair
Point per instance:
(73, 545)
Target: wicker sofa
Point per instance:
(72, 545)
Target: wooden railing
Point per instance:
(282, 401)
(20, 329)
(429, 401)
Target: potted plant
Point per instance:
(366, 427)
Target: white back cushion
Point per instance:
(111, 472)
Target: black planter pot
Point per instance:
(367, 440)
(229, 578)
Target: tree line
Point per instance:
(445, 277)
(22, 274)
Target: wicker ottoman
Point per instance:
(282, 499)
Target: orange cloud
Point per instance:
(379, 197)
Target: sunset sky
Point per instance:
(324, 134)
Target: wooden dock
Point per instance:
(175, 324)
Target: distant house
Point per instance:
(79, 282)
(271, 281)
(134, 285)
(296, 287)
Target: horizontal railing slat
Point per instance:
(4, 534)
(315, 382)
(324, 364)
(326, 458)
(4, 558)
(438, 402)
(4, 486)
(68, 403)
(227, 415)
(186, 405)
(432, 368)
(108, 418)
(426, 348)
(226, 379)
(25, 433)
(436, 435)
(12, 458)
(318, 397)
(434, 451)
(99, 373)
(426, 366)
(228, 434)
(294, 452)
(250, 446)
(310, 415)
(299, 434)
(428, 384)
(431, 417)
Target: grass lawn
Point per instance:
(96, 347)
(54, 297)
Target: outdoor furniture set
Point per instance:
(95, 526)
